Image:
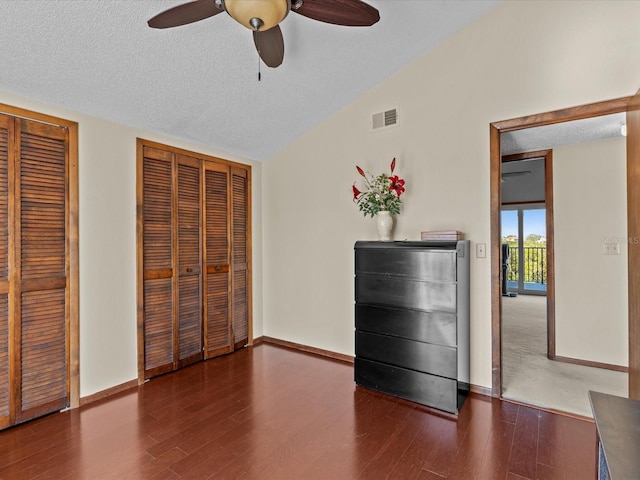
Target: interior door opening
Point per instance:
(570, 237)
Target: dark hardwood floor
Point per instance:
(271, 413)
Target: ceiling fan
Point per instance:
(263, 18)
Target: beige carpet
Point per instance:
(529, 377)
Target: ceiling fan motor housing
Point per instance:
(266, 14)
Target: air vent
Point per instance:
(384, 119)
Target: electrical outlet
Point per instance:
(481, 250)
(611, 248)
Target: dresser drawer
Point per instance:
(404, 293)
(430, 390)
(427, 265)
(432, 327)
(423, 357)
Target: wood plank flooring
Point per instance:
(267, 412)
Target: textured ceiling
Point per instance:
(199, 82)
(565, 133)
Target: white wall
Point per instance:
(521, 58)
(590, 208)
(107, 190)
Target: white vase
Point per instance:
(384, 224)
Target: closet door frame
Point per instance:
(141, 144)
(72, 298)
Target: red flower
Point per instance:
(397, 184)
(393, 164)
(360, 171)
(356, 192)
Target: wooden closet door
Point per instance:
(216, 260)
(157, 262)
(41, 269)
(6, 141)
(189, 309)
(240, 259)
(193, 257)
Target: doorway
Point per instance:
(588, 111)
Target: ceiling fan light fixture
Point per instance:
(269, 12)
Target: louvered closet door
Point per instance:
(6, 136)
(41, 267)
(217, 280)
(158, 262)
(189, 315)
(240, 237)
(193, 223)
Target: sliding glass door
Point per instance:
(524, 247)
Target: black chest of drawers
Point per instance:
(412, 320)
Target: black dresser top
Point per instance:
(406, 244)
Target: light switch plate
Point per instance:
(481, 250)
(611, 248)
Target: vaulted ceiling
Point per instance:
(199, 82)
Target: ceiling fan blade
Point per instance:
(270, 46)
(351, 13)
(185, 13)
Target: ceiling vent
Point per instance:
(384, 119)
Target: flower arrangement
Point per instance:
(382, 193)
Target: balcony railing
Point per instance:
(535, 265)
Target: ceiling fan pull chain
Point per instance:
(259, 76)
(256, 23)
